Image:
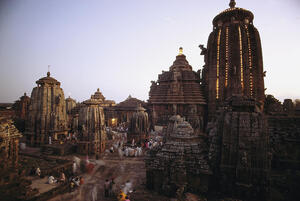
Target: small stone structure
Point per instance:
(138, 126)
(91, 127)
(47, 115)
(122, 112)
(70, 105)
(21, 107)
(9, 143)
(181, 163)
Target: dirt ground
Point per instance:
(111, 166)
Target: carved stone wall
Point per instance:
(47, 112)
(91, 126)
(239, 150)
(177, 91)
(138, 128)
(9, 144)
(233, 59)
(181, 161)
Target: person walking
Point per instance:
(110, 190)
(106, 188)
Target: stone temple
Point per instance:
(238, 141)
(182, 161)
(138, 128)
(91, 128)
(47, 115)
(177, 91)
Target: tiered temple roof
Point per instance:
(179, 85)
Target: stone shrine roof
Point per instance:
(238, 14)
(48, 80)
(98, 95)
(130, 104)
(180, 85)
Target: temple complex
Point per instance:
(47, 115)
(222, 137)
(91, 128)
(138, 128)
(178, 91)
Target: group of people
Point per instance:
(71, 137)
(75, 181)
(149, 144)
(108, 187)
(53, 180)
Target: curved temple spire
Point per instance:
(232, 3)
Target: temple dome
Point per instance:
(231, 13)
(48, 80)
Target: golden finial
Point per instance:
(180, 51)
(232, 3)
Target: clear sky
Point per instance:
(119, 46)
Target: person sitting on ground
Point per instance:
(51, 180)
(111, 149)
(128, 187)
(76, 181)
(38, 171)
(62, 177)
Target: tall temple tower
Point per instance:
(233, 59)
(47, 112)
(233, 79)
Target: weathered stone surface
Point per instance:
(9, 144)
(181, 161)
(123, 111)
(239, 149)
(21, 107)
(233, 59)
(138, 126)
(47, 112)
(91, 126)
(177, 91)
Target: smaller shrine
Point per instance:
(122, 112)
(181, 164)
(9, 143)
(91, 128)
(138, 128)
